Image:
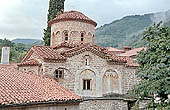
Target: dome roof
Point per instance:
(72, 15)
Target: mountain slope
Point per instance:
(26, 41)
(127, 31)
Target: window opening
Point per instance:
(59, 73)
(82, 37)
(87, 84)
(66, 36)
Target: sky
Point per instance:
(28, 18)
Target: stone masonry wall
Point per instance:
(74, 29)
(104, 105)
(33, 69)
(75, 65)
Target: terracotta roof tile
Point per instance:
(72, 15)
(132, 52)
(114, 49)
(18, 87)
(67, 45)
(31, 62)
(96, 49)
(45, 53)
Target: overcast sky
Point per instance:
(27, 18)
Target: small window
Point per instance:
(86, 84)
(86, 62)
(59, 74)
(87, 57)
(82, 37)
(66, 36)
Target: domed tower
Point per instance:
(72, 27)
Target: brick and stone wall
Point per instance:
(33, 69)
(74, 29)
(104, 104)
(75, 65)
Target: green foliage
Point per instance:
(55, 7)
(17, 51)
(154, 69)
(47, 35)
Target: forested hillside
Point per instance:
(27, 41)
(18, 50)
(127, 31)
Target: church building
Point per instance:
(76, 63)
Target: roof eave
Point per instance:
(74, 101)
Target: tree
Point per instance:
(55, 7)
(154, 69)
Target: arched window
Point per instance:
(82, 37)
(87, 58)
(66, 36)
(59, 73)
(88, 79)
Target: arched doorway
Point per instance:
(110, 82)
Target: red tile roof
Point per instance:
(45, 53)
(72, 15)
(101, 51)
(18, 87)
(114, 49)
(132, 52)
(67, 45)
(31, 62)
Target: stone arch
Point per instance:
(87, 82)
(31, 71)
(90, 34)
(65, 71)
(68, 78)
(110, 82)
(55, 38)
(78, 82)
(57, 33)
(104, 70)
(75, 37)
(89, 38)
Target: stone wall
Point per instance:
(33, 69)
(75, 65)
(104, 104)
(50, 107)
(74, 29)
(120, 79)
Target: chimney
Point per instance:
(127, 48)
(5, 55)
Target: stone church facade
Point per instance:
(76, 63)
